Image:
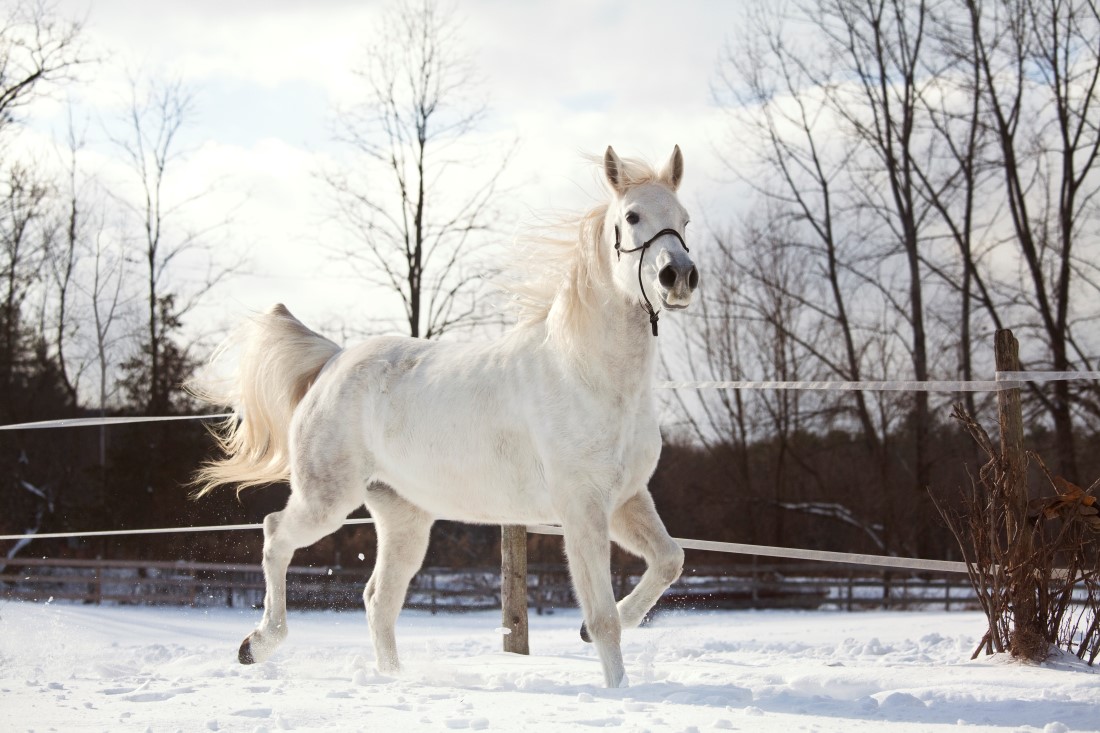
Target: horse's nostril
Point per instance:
(693, 278)
(667, 276)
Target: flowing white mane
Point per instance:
(560, 272)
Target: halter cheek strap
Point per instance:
(619, 251)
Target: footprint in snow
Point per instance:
(253, 713)
(160, 696)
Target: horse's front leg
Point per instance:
(588, 548)
(636, 527)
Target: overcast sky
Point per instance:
(562, 78)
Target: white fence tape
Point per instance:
(882, 561)
(736, 548)
(1002, 381)
(1045, 376)
(931, 386)
(83, 422)
(158, 530)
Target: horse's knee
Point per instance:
(276, 553)
(368, 594)
(670, 565)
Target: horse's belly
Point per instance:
(469, 486)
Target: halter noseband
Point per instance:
(644, 246)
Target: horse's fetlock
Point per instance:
(388, 664)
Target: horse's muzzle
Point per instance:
(678, 280)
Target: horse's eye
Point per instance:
(632, 217)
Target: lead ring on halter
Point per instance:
(644, 246)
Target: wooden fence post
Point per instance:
(513, 587)
(1010, 418)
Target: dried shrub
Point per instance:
(1035, 566)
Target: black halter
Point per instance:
(644, 246)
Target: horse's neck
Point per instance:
(625, 345)
(613, 348)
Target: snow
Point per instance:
(73, 667)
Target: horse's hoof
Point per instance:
(244, 654)
(585, 636)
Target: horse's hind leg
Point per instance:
(637, 528)
(403, 531)
(300, 524)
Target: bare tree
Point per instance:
(890, 129)
(417, 215)
(88, 268)
(799, 164)
(835, 100)
(153, 149)
(65, 244)
(881, 43)
(23, 207)
(955, 184)
(37, 49)
(1039, 72)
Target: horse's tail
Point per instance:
(279, 360)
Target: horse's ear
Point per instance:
(613, 169)
(673, 171)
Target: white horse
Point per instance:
(552, 423)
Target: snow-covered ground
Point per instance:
(70, 667)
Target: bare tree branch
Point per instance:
(420, 231)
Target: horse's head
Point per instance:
(645, 223)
